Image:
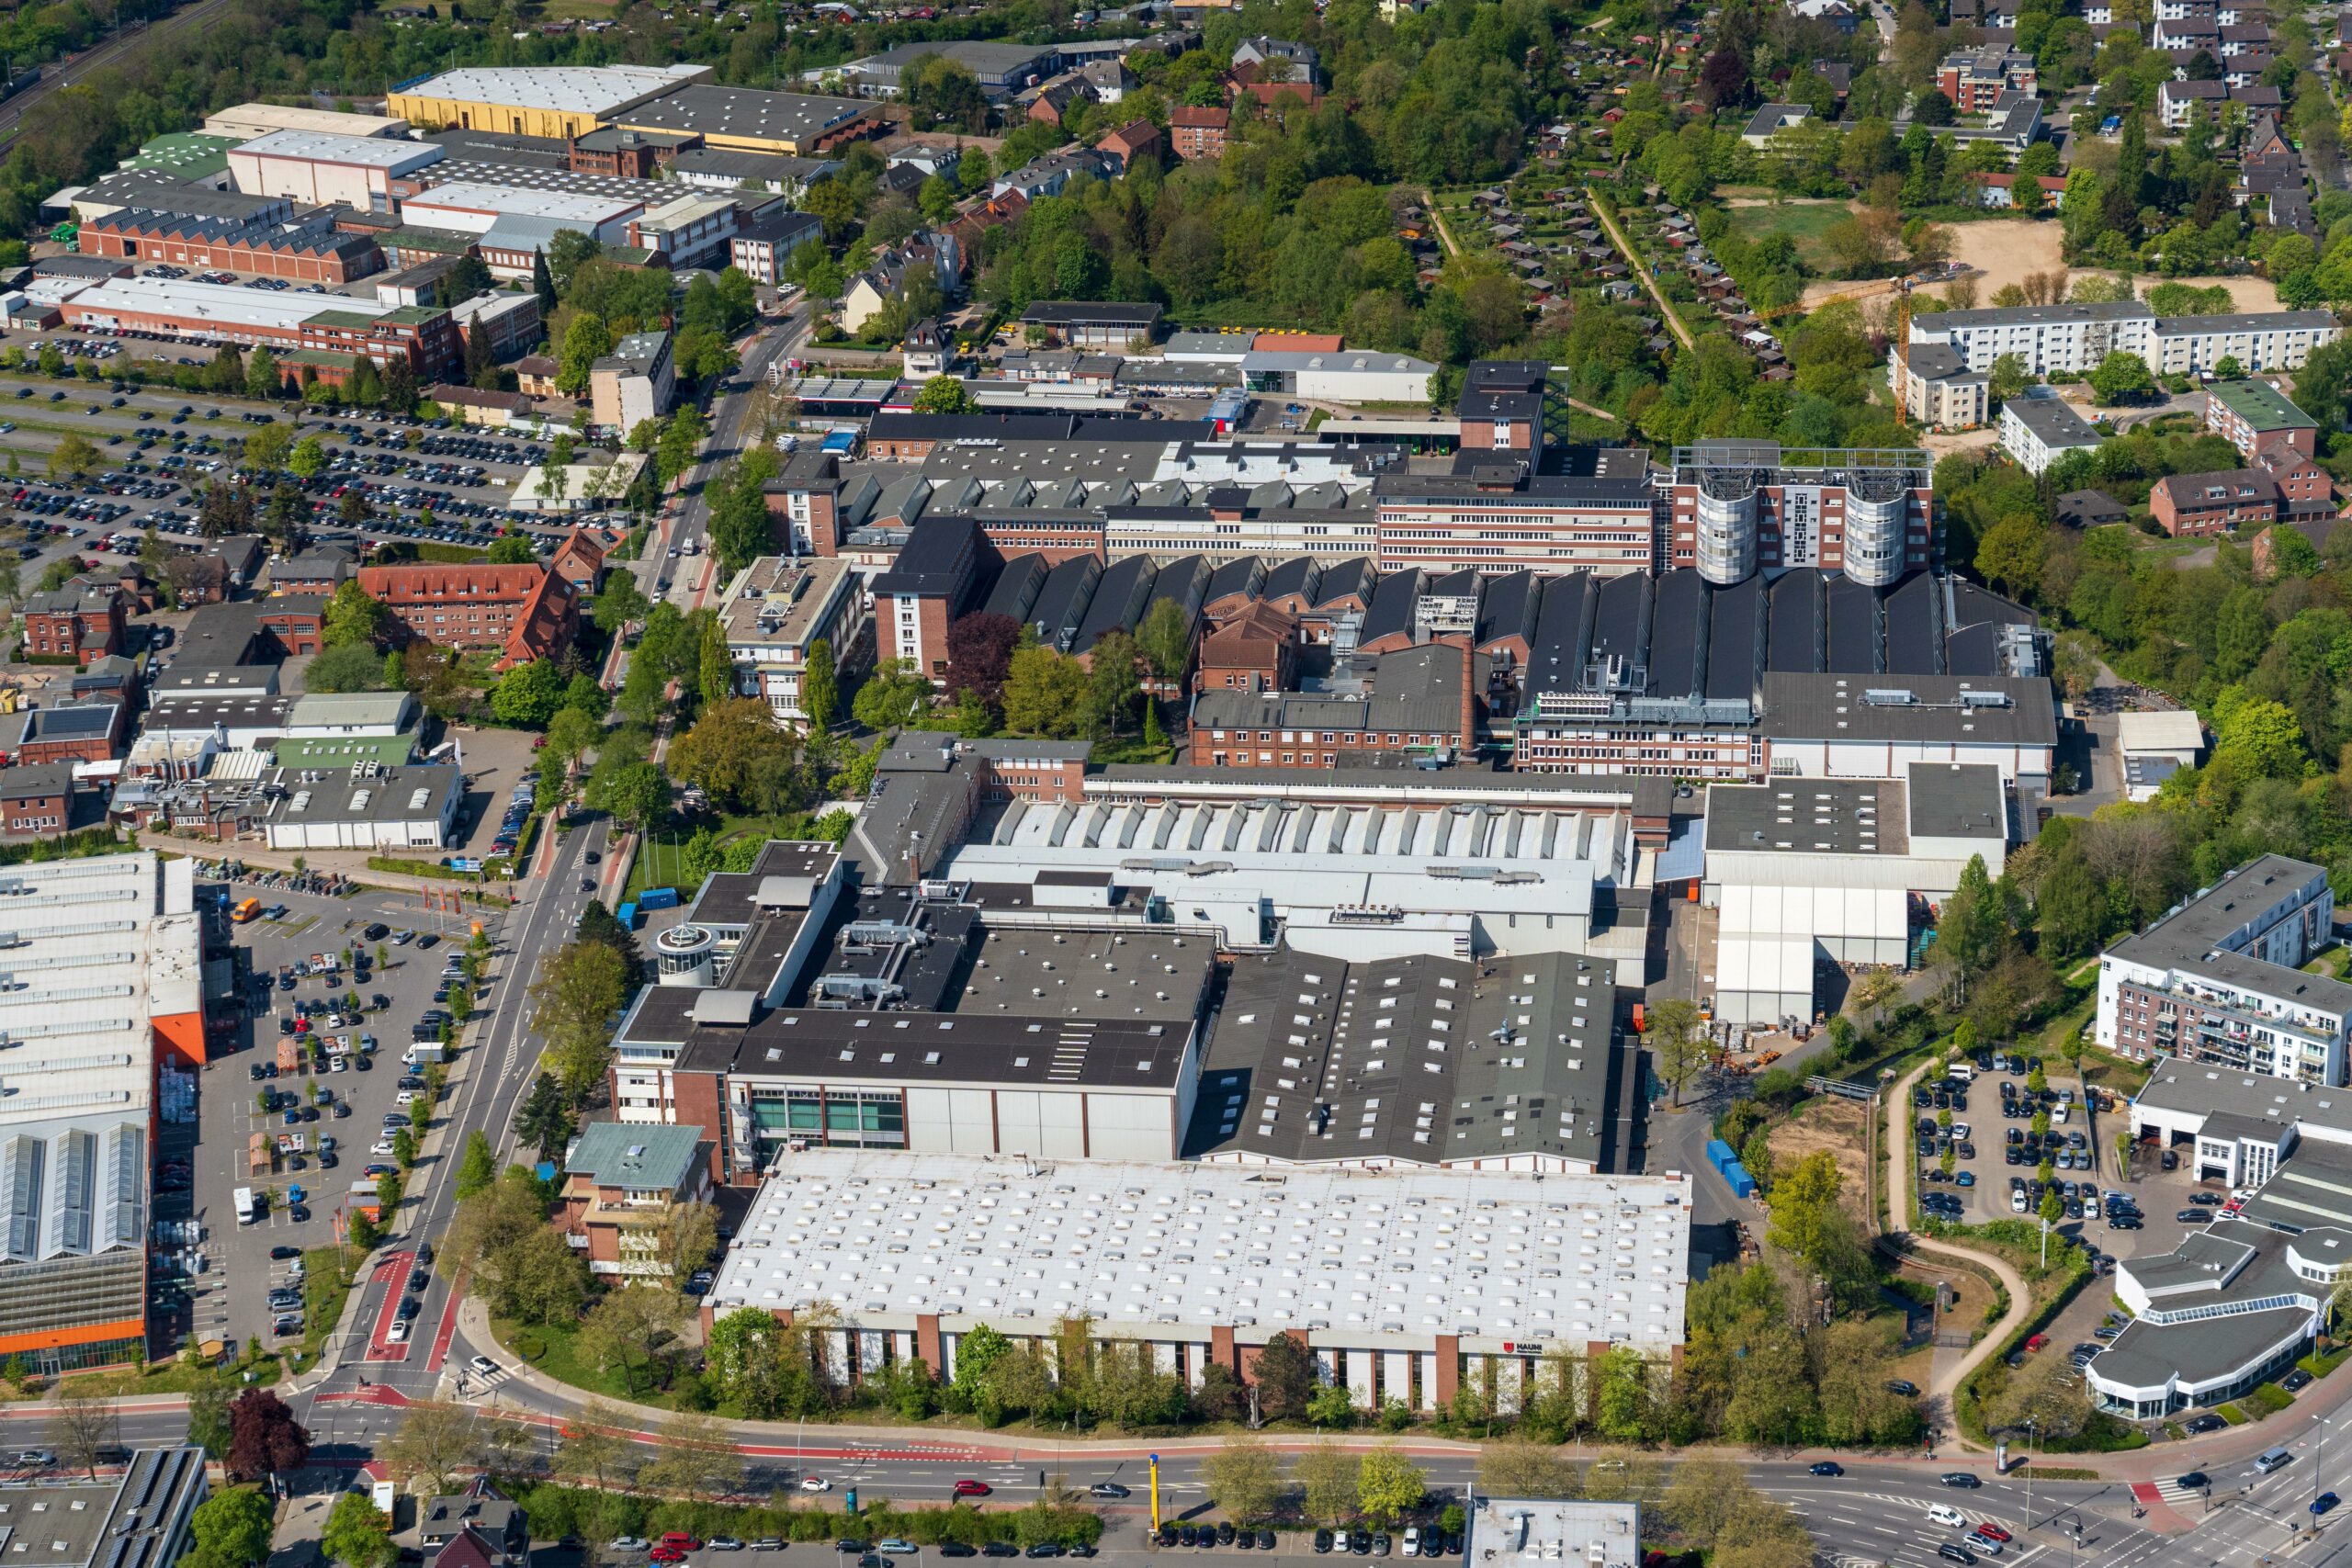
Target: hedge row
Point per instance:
(556, 1511)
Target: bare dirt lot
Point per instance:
(2003, 249)
(1838, 1126)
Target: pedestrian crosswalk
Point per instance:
(2187, 1498)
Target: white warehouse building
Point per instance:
(1807, 872)
(319, 170)
(1404, 1284)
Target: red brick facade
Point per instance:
(1198, 132)
(526, 611)
(87, 625)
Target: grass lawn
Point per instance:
(554, 1352)
(1804, 221)
(1131, 748)
(173, 1376)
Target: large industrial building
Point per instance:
(2220, 978)
(1405, 1284)
(557, 102)
(1814, 873)
(1673, 678)
(141, 1518)
(331, 330)
(320, 170)
(106, 985)
(1518, 1063)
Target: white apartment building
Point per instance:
(2039, 431)
(2219, 979)
(776, 609)
(2053, 339)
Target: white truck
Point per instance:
(248, 1210)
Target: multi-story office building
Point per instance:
(777, 610)
(1734, 508)
(1495, 512)
(634, 383)
(2220, 978)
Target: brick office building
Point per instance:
(1423, 703)
(77, 732)
(86, 622)
(525, 611)
(37, 800)
(1257, 650)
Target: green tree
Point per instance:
(1799, 1201)
(1389, 1485)
(356, 618)
(309, 457)
(1045, 693)
(1244, 1478)
(892, 695)
(1166, 638)
(2010, 554)
(2008, 378)
(231, 1529)
(479, 1168)
(1328, 1476)
(357, 1533)
(944, 394)
(2122, 377)
(1678, 1041)
(638, 795)
(263, 378)
(74, 455)
(528, 697)
(512, 549)
(585, 341)
(819, 687)
(575, 1000)
(208, 1416)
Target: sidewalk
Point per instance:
(1898, 1141)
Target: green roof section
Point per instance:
(2261, 405)
(639, 1156)
(318, 357)
(410, 315)
(342, 751)
(355, 320)
(187, 154)
(441, 242)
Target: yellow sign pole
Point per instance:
(1155, 1492)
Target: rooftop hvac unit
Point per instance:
(1891, 696)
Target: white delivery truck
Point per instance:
(248, 1210)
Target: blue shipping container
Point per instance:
(628, 915)
(1742, 1184)
(1719, 1153)
(658, 899)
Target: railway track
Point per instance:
(112, 51)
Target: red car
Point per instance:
(680, 1540)
(1991, 1531)
(2037, 1342)
(971, 1488)
(667, 1554)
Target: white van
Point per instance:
(2273, 1460)
(1945, 1514)
(1963, 1072)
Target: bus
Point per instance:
(246, 911)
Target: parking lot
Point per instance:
(2147, 1219)
(422, 480)
(205, 1162)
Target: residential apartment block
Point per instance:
(2054, 340)
(2220, 979)
(2255, 415)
